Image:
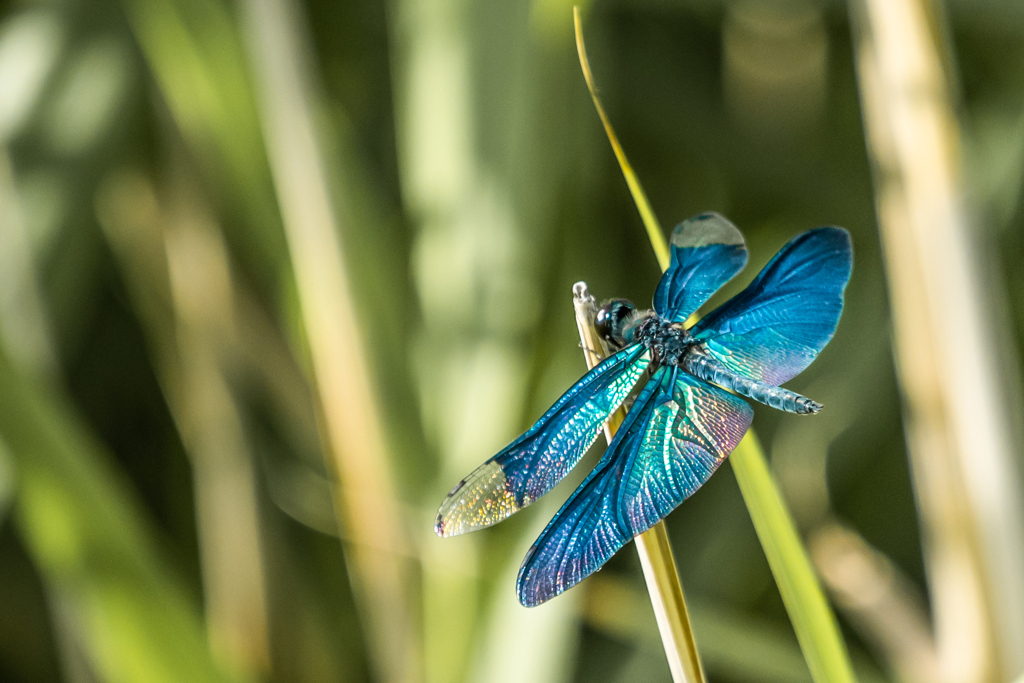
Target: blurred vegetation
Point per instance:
(168, 506)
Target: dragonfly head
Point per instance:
(612, 321)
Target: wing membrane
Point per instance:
(534, 463)
(678, 432)
(774, 328)
(707, 251)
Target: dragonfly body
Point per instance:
(670, 344)
(686, 418)
(700, 365)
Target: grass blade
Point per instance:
(809, 611)
(85, 532)
(654, 232)
(163, 251)
(355, 444)
(195, 54)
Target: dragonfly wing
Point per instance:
(675, 436)
(689, 436)
(707, 251)
(534, 463)
(588, 529)
(774, 328)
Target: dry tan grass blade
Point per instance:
(946, 349)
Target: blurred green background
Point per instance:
(166, 505)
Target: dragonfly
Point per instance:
(688, 416)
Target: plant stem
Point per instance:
(812, 617)
(654, 232)
(354, 439)
(653, 546)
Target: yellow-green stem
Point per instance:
(654, 232)
(812, 617)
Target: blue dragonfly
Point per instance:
(688, 416)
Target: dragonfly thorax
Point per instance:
(667, 341)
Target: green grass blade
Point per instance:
(196, 57)
(7, 483)
(809, 611)
(85, 533)
(355, 442)
(813, 620)
(654, 231)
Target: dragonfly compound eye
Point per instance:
(612, 318)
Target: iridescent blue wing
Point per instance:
(774, 328)
(589, 528)
(707, 251)
(534, 463)
(674, 437)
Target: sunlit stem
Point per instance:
(654, 232)
(959, 432)
(653, 545)
(354, 443)
(175, 266)
(813, 619)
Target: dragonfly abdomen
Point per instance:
(705, 368)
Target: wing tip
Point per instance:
(533, 601)
(706, 229)
(843, 243)
(480, 500)
(833, 232)
(532, 593)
